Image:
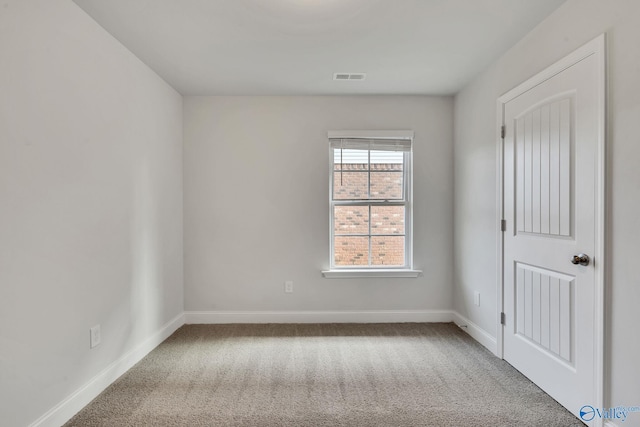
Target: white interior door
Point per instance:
(552, 191)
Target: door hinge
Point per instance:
(503, 319)
(503, 225)
(503, 131)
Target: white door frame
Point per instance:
(594, 47)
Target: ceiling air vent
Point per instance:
(349, 76)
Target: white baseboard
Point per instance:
(378, 316)
(70, 406)
(476, 332)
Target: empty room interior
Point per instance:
(319, 212)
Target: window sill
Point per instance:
(355, 274)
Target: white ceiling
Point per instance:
(293, 47)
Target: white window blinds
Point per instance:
(371, 144)
(388, 140)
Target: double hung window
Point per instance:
(370, 200)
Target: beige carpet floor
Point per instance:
(406, 374)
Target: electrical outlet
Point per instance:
(94, 335)
(476, 298)
(288, 286)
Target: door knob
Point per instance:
(581, 259)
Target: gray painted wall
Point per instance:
(256, 202)
(573, 24)
(90, 203)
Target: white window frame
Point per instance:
(405, 270)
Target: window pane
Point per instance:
(386, 185)
(350, 159)
(350, 185)
(387, 250)
(387, 219)
(372, 235)
(351, 220)
(387, 160)
(351, 250)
